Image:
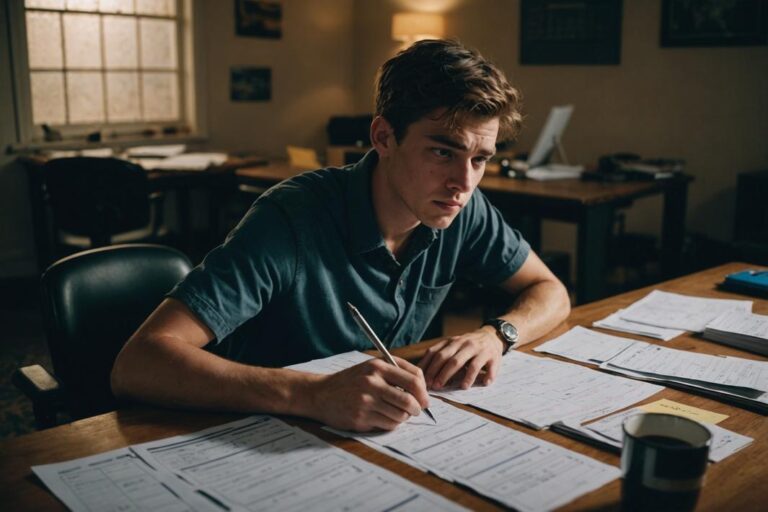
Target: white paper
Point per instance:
(511, 467)
(724, 442)
(587, 346)
(681, 364)
(119, 480)
(676, 311)
(332, 364)
(261, 463)
(538, 392)
(190, 162)
(616, 323)
(158, 151)
(738, 322)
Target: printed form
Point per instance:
(615, 322)
(508, 466)
(538, 391)
(676, 311)
(262, 464)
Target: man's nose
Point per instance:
(460, 179)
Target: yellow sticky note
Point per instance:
(686, 411)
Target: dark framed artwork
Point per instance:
(570, 32)
(250, 84)
(254, 18)
(714, 23)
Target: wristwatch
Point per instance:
(506, 331)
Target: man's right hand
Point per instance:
(373, 395)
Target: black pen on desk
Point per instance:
(360, 320)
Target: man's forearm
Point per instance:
(172, 373)
(538, 309)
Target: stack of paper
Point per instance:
(747, 331)
(157, 151)
(607, 433)
(733, 379)
(258, 463)
(615, 322)
(188, 162)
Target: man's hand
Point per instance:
(371, 395)
(471, 352)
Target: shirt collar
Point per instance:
(365, 234)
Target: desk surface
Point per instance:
(737, 483)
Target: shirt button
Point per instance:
(400, 283)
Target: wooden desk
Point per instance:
(591, 205)
(737, 483)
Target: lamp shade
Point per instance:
(414, 26)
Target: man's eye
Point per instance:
(480, 160)
(441, 152)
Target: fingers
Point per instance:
(465, 356)
(408, 377)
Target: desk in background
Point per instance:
(736, 483)
(590, 205)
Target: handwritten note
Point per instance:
(686, 411)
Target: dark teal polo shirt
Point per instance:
(276, 289)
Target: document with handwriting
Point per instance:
(615, 322)
(587, 346)
(508, 466)
(119, 480)
(539, 391)
(676, 311)
(262, 464)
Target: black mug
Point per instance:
(663, 461)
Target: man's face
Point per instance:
(433, 170)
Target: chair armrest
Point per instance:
(42, 389)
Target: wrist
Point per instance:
(302, 399)
(494, 335)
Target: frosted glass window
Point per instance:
(156, 7)
(120, 39)
(123, 97)
(158, 43)
(45, 4)
(47, 97)
(160, 94)
(120, 6)
(85, 97)
(82, 41)
(83, 5)
(44, 40)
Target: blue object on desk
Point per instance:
(752, 282)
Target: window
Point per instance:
(114, 64)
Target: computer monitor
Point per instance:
(549, 137)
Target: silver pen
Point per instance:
(360, 320)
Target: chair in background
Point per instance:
(92, 303)
(95, 202)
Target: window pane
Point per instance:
(47, 97)
(160, 93)
(44, 40)
(83, 5)
(120, 42)
(85, 97)
(82, 41)
(156, 7)
(121, 6)
(123, 97)
(44, 4)
(158, 43)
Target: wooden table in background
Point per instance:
(736, 483)
(590, 205)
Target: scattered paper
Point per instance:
(616, 323)
(587, 346)
(158, 151)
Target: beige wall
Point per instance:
(706, 105)
(311, 76)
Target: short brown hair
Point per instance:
(438, 73)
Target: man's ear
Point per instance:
(382, 136)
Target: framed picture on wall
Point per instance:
(254, 18)
(250, 84)
(570, 32)
(714, 23)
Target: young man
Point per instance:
(389, 234)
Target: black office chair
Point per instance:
(92, 302)
(101, 201)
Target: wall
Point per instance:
(706, 105)
(311, 76)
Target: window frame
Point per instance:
(190, 80)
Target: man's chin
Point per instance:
(441, 222)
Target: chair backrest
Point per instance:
(97, 197)
(93, 302)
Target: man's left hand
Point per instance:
(471, 352)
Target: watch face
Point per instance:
(509, 332)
